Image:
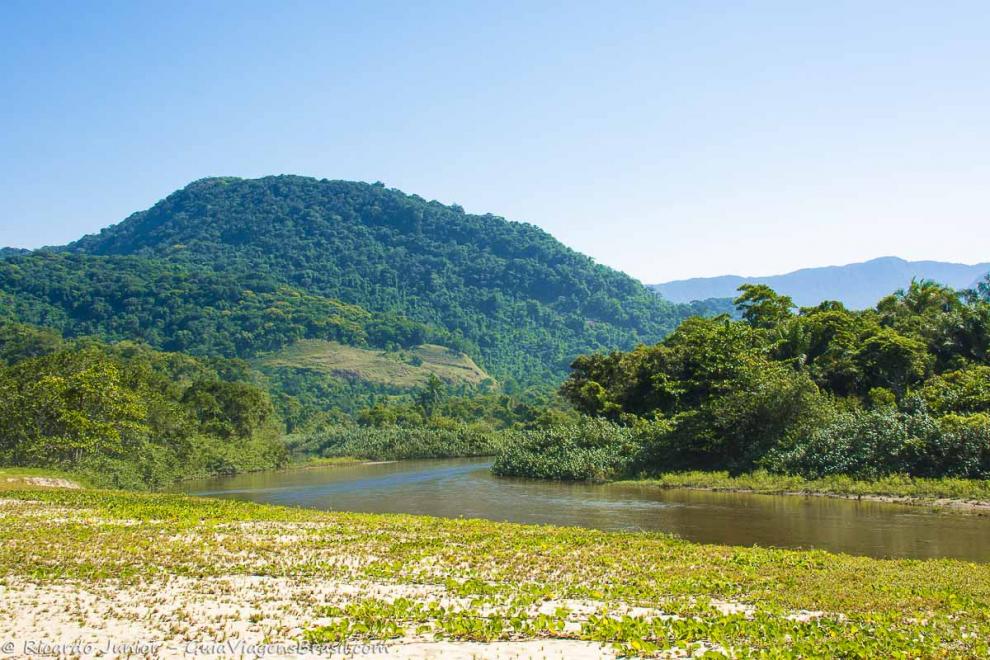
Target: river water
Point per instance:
(465, 488)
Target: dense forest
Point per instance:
(125, 415)
(175, 307)
(171, 345)
(245, 268)
(903, 388)
(507, 293)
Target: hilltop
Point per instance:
(506, 293)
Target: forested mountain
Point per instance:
(858, 286)
(271, 260)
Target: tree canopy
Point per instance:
(507, 293)
(903, 386)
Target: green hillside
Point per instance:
(195, 309)
(506, 293)
(340, 296)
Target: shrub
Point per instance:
(592, 449)
(961, 391)
(386, 444)
(876, 443)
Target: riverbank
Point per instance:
(969, 494)
(319, 462)
(85, 565)
(14, 478)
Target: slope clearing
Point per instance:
(407, 368)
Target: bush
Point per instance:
(961, 391)
(387, 444)
(881, 442)
(592, 449)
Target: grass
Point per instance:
(898, 486)
(408, 368)
(412, 578)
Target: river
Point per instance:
(465, 488)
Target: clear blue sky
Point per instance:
(668, 139)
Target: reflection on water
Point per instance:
(465, 488)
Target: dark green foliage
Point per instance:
(126, 415)
(430, 396)
(491, 410)
(307, 399)
(506, 293)
(244, 268)
(227, 410)
(877, 443)
(761, 307)
(19, 342)
(178, 307)
(767, 406)
(903, 388)
(592, 449)
(387, 444)
(965, 391)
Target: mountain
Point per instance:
(237, 267)
(858, 285)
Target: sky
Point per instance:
(665, 139)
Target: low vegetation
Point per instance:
(761, 481)
(406, 579)
(389, 444)
(589, 449)
(409, 368)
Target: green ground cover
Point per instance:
(468, 580)
(899, 486)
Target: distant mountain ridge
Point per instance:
(858, 285)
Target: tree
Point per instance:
(66, 406)
(738, 395)
(19, 341)
(891, 360)
(229, 410)
(966, 391)
(762, 307)
(983, 288)
(430, 395)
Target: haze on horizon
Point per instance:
(669, 141)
